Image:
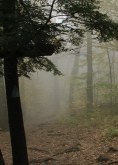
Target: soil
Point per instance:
(62, 144)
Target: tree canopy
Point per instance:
(34, 35)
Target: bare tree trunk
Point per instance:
(114, 80)
(110, 76)
(17, 133)
(57, 98)
(89, 72)
(3, 108)
(73, 83)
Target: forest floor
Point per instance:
(69, 143)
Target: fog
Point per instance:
(45, 96)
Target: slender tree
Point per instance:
(73, 86)
(89, 71)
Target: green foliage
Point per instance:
(87, 13)
(105, 118)
(29, 65)
(30, 37)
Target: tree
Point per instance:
(85, 16)
(3, 108)
(89, 71)
(110, 7)
(18, 20)
(14, 45)
(73, 86)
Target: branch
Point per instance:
(45, 160)
(41, 50)
(50, 15)
(114, 162)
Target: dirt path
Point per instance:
(57, 144)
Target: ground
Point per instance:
(66, 144)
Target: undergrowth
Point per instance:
(105, 118)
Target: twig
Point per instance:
(38, 150)
(42, 160)
(73, 149)
(50, 14)
(112, 162)
(68, 151)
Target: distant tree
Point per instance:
(73, 82)
(84, 16)
(89, 71)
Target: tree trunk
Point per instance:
(3, 107)
(1, 159)
(57, 98)
(89, 72)
(17, 133)
(111, 78)
(73, 83)
(15, 117)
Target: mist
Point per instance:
(48, 98)
(45, 96)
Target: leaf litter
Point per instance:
(62, 144)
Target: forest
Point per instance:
(58, 82)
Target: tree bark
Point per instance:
(17, 133)
(1, 159)
(3, 107)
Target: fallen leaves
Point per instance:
(65, 145)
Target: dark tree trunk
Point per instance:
(3, 107)
(1, 159)
(17, 133)
(15, 117)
